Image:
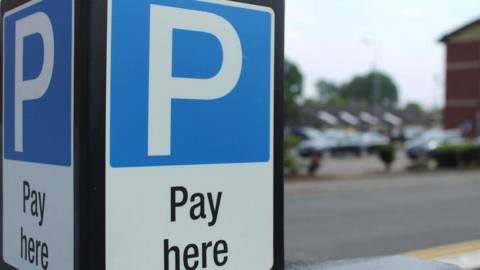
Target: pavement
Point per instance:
(390, 263)
(376, 215)
(466, 255)
(350, 166)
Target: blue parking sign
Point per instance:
(38, 209)
(191, 82)
(38, 42)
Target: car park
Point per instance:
(349, 143)
(313, 141)
(337, 142)
(372, 140)
(424, 145)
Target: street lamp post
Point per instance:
(377, 86)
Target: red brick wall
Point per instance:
(463, 85)
(455, 117)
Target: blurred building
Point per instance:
(363, 117)
(462, 108)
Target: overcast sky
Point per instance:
(326, 38)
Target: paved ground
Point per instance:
(350, 166)
(329, 220)
(365, 164)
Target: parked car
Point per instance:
(314, 142)
(347, 143)
(423, 146)
(316, 146)
(337, 142)
(304, 133)
(405, 134)
(372, 140)
(355, 143)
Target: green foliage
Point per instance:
(360, 91)
(414, 106)
(310, 101)
(387, 155)
(327, 90)
(454, 156)
(289, 145)
(293, 90)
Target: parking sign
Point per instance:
(190, 135)
(141, 134)
(37, 135)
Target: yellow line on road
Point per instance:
(446, 251)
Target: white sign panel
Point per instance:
(189, 158)
(38, 189)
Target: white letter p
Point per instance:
(25, 90)
(163, 87)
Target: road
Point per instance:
(331, 220)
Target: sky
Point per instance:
(337, 39)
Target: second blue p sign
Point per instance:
(163, 118)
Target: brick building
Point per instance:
(462, 108)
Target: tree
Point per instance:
(374, 88)
(330, 93)
(293, 90)
(361, 90)
(414, 106)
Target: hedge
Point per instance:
(454, 156)
(289, 145)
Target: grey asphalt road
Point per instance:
(331, 220)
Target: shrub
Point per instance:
(290, 143)
(447, 156)
(387, 155)
(460, 155)
(471, 155)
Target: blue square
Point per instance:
(235, 128)
(46, 126)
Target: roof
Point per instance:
(447, 37)
(354, 116)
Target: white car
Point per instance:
(314, 142)
(424, 145)
(372, 140)
(318, 146)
